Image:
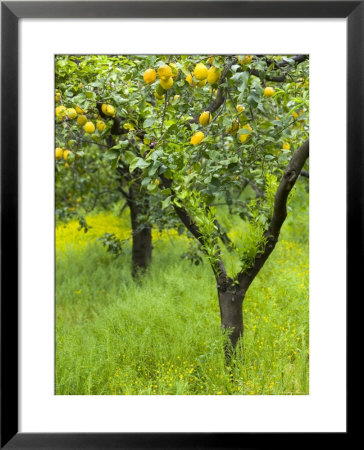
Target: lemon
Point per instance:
(213, 75)
(66, 153)
(149, 76)
(286, 146)
(244, 137)
(197, 137)
(81, 120)
(176, 97)
(60, 112)
(210, 60)
(100, 125)
(164, 72)
(59, 153)
(247, 59)
(89, 127)
(202, 83)
(174, 70)
(166, 84)
(71, 113)
(200, 71)
(58, 97)
(205, 118)
(79, 110)
(240, 108)
(268, 91)
(233, 128)
(189, 79)
(108, 110)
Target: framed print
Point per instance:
(181, 138)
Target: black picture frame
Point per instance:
(11, 12)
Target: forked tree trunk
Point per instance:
(231, 312)
(142, 231)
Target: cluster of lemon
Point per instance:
(202, 75)
(166, 74)
(62, 153)
(206, 118)
(89, 127)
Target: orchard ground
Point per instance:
(161, 335)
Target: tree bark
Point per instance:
(142, 231)
(231, 299)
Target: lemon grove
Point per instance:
(172, 138)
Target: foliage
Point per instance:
(146, 130)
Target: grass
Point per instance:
(115, 336)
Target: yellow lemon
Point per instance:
(200, 71)
(189, 79)
(233, 128)
(60, 112)
(240, 108)
(213, 75)
(166, 84)
(268, 91)
(79, 110)
(202, 83)
(108, 110)
(149, 76)
(59, 153)
(210, 60)
(71, 113)
(100, 125)
(66, 153)
(205, 118)
(58, 97)
(286, 146)
(244, 137)
(89, 127)
(197, 137)
(81, 120)
(164, 72)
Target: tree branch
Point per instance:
(218, 265)
(271, 235)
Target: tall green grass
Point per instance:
(162, 335)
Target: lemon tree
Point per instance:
(187, 132)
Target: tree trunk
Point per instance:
(231, 312)
(142, 231)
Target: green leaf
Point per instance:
(128, 156)
(138, 163)
(148, 122)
